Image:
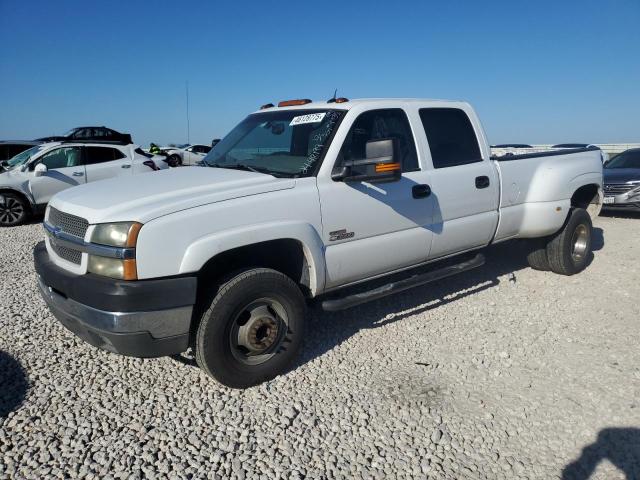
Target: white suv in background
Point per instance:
(37, 174)
(186, 154)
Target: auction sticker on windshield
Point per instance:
(310, 118)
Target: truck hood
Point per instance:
(621, 175)
(147, 196)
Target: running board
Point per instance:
(401, 285)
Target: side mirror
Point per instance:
(381, 164)
(40, 170)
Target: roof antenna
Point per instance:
(333, 99)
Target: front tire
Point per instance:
(14, 210)
(569, 250)
(253, 329)
(174, 160)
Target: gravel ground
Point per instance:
(486, 375)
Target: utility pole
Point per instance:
(188, 126)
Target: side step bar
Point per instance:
(401, 285)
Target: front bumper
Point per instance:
(145, 318)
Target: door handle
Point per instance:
(126, 165)
(78, 174)
(421, 191)
(482, 182)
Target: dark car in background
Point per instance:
(11, 148)
(512, 145)
(622, 181)
(91, 134)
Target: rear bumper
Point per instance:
(149, 318)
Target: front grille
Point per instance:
(68, 223)
(73, 256)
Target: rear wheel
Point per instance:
(14, 210)
(253, 329)
(569, 250)
(537, 256)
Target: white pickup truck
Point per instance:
(302, 200)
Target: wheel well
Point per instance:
(589, 198)
(18, 194)
(284, 255)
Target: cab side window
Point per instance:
(451, 138)
(378, 125)
(62, 157)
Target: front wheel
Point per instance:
(569, 251)
(253, 329)
(174, 160)
(14, 210)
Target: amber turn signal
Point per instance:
(387, 167)
(291, 103)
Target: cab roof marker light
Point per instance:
(266, 105)
(291, 103)
(341, 100)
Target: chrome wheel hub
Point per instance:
(258, 331)
(579, 242)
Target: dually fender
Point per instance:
(205, 248)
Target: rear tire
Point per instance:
(253, 329)
(14, 210)
(569, 250)
(537, 256)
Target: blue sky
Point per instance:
(536, 71)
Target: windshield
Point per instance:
(287, 143)
(23, 157)
(625, 160)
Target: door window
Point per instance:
(102, 154)
(451, 138)
(62, 158)
(378, 125)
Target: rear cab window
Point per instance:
(451, 137)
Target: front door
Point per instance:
(64, 170)
(374, 228)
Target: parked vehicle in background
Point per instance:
(512, 145)
(303, 200)
(186, 154)
(35, 175)
(622, 181)
(86, 134)
(11, 148)
(605, 155)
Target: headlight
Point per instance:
(123, 235)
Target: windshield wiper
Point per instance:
(242, 166)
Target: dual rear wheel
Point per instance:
(568, 251)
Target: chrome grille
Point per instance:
(73, 256)
(68, 223)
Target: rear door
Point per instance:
(105, 162)
(374, 228)
(465, 186)
(64, 170)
